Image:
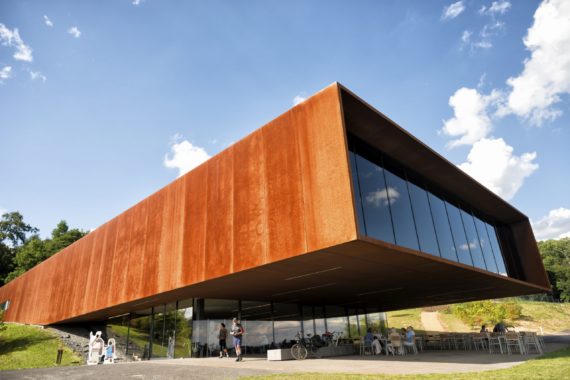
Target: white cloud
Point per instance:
(5, 73)
(383, 197)
(452, 10)
(48, 21)
(546, 74)
(298, 99)
(482, 80)
(555, 225)
(37, 75)
(137, 2)
(12, 38)
(74, 31)
(482, 44)
(497, 7)
(470, 122)
(492, 163)
(185, 157)
(466, 36)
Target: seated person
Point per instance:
(368, 338)
(483, 329)
(376, 346)
(410, 335)
(499, 328)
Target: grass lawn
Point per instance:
(555, 365)
(31, 347)
(552, 317)
(451, 323)
(405, 318)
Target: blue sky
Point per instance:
(104, 102)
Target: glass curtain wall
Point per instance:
(395, 209)
(189, 328)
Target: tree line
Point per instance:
(21, 247)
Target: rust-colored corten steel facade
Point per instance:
(275, 217)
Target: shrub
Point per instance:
(486, 312)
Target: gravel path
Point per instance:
(430, 321)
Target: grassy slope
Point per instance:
(31, 347)
(555, 365)
(552, 317)
(405, 318)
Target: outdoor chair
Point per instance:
(494, 342)
(514, 341)
(433, 340)
(411, 346)
(396, 342)
(530, 340)
(365, 347)
(480, 341)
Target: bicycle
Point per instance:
(303, 347)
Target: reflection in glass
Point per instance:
(485, 245)
(357, 195)
(473, 239)
(139, 334)
(353, 324)
(320, 328)
(308, 326)
(183, 343)
(401, 209)
(256, 320)
(287, 322)
(375, 200)
(459, 237)
(337, 322)
(496, 250)
(442, 228)
(118, 328)
(424, 222)
(362, 325)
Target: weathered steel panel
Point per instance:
(249, 204)
(195, 226)
(219, 235)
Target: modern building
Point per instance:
(320, 220)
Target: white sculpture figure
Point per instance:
(110, 352)
(170, 351)
(96, 348)
(91, 340)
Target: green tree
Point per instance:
(35, 250)
(13, 234)
(14, 230)
(556, 257)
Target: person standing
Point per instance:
(222, 335)
(237, 332)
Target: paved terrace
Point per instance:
(215, 368)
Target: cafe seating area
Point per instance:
(508, 343)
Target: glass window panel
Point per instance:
(353, 323)
(424, 221)
(497, 250)
(159, 338)
(402, 217)
(320, 327)
(183, 345)
(442, 229)
(459, 237)
(374, 200)
(139, 334)
(336, 320)
(473, 240)
(362, 321)
(256, 321)
(485, 245)
(308, 326)
(287, 322)
(357, 195)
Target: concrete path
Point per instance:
(430, 321)
(214, 368)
